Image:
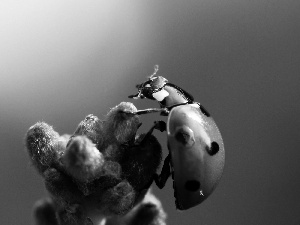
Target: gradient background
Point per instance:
(61, 60)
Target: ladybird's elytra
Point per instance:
(195, 144)
(194, 163)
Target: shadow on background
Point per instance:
(61, 60)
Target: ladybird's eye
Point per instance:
(138, 86)
(147, 84)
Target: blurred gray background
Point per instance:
(61, 60)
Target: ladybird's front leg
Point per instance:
(161, 179)
(163, 111)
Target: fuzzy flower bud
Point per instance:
(121, 124)
(82, 159)
(41, 141)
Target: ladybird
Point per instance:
(196, 151)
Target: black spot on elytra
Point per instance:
(182, 137)
(185, 137)
(213, 149)
(204, 111)
(192, 185)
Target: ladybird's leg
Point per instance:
(161, 179)
(151, 110)
(158, 125)
(165, 112)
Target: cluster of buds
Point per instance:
(99, 175)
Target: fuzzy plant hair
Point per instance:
(99, 175)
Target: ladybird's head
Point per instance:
(153, 88)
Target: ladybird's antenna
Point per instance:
(156, 67)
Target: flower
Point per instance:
(99, 175)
